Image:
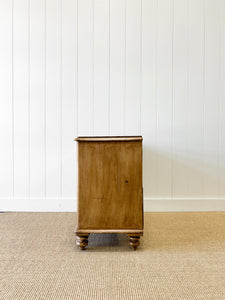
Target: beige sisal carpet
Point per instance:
(182, 256)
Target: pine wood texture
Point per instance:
(107, 139)
(110, 194)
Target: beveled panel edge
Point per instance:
(107, 138)
(126, 231)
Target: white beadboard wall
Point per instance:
(112, 67)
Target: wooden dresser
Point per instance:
(110, 193)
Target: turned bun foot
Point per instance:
(134, 242)
(82, 240)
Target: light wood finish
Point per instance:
(127, 231)
(110, 194)
(109, 139)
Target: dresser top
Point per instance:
(108, 138)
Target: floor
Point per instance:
(181, 256)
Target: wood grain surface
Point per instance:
(110, 186)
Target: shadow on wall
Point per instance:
(171, 173)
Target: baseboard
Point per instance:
(39, 204)
(68, 204)
(183, 204)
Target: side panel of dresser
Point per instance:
(110, 193)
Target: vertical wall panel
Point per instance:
(21, 98)
(180, 97)
(6, 117)
(165, 98)
(211, 98)
(117, 66)
(69, 97)
(101, 67)
(37, 98)
(85, 67)
(222, 102)
(149, 94)
(133, 63)
(53, 98)
(195, 99)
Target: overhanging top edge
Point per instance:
(107, 138)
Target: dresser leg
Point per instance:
(82, 240)
(134, 241)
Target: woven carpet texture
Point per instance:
(181, 256)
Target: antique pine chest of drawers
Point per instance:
(110, 193)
